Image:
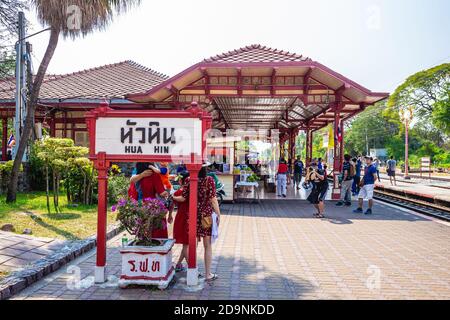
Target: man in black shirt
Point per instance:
(348, 172)
(298, 172)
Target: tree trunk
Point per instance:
(84, 196)
(29, 120)
(47, 188)
(55, 190)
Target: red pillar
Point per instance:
(4, 139)
(192, 276)
(309, 144)
(307, 160)
(336, 195)
(342, 145)
(101, 166)
(290, 146)
(53, 126)
(65, 124)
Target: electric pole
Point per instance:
(20, 83)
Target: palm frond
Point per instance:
(79, 17)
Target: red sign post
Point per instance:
(146, 136)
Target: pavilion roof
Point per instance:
(256, 53)
(260, 87)
(108, 81)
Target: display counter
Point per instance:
(228, 182)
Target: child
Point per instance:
(163, 172)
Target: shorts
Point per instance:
(318, 193)
(391, 173)
(366, 192)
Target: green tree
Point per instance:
(441, 114)
(7, 63)
(369, 130)
(318, 150)
(71, 18)
(57, 156)
(8, 29)
(427, 92)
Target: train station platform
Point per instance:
(277, 250)
(434, 191)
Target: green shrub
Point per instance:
(36, 169)
(5, 172)
(117, 188)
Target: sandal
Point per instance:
(180, 268)
(213, 278)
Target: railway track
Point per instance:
(426, 208)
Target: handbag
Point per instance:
(206, 222)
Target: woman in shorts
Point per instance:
(319, 191)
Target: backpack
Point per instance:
(309, 175)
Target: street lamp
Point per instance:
(406, 116)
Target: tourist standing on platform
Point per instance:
(298, 172)
(376, 163)
(289, 173)
(347, 175)
(358, 164)
(282, 173)
(207, 204)
(146, 184)
(320, 189)
(367, 186)
(391, 168)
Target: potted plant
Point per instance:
(145, 260)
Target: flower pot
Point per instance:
(143, 265)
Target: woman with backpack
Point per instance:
(320, 189)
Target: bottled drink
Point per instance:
(124, 240)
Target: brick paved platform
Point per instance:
(17, 251)
(275, 250)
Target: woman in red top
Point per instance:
(146, 184)
(283, 171)
(181, 224)
(207, 203)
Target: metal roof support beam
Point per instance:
(338, 144)
(216, 107)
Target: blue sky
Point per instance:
(377, 43)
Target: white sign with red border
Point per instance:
(149, 136)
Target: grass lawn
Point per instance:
(30, 211)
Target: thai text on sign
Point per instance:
(147, 136)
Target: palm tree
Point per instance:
(71, 18)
